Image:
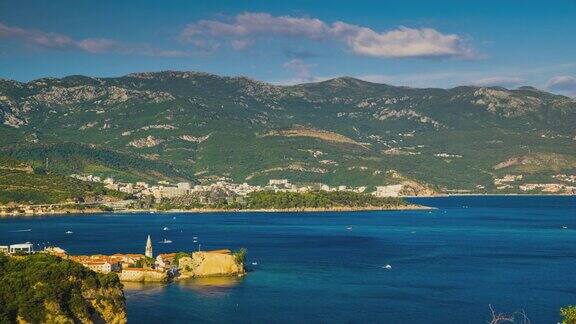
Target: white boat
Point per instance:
(165, 241)
(151, 212)
(349, 228)
(195, 241)
(69, 232)
(564, 227)
(165, 229)
(254, 263)
(195, 238)
(387, 267)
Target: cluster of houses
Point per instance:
(21, 248)
(130, 266)
(222, 188)
(509, 181)
(145, 267)
(549, 188)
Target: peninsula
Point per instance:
(278, 196)
(164, 267)
(88, 288)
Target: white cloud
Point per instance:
(57, 41)
(240, 44)
(36, 37)
(402, 42)
(301, 72)
(562, 83)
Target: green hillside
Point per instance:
(21, 183)
(197, 126)
(42, 288)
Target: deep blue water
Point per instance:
(448, 265)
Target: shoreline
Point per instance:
(304, 210)
(216, 210)
(288, 210)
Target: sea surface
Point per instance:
(445, 266)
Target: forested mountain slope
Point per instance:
(197, 126)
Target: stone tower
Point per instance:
(148, 252)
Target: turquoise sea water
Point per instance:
(447, 265)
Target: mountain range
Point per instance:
(201, 127)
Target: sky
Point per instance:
(411, 43)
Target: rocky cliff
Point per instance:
(46, 289)
(211, 263)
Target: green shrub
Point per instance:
(240, 255)
(568, 314)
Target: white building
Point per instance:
(170, 192)
(278, 182)
(184, 185)
(22, 248)
(388, 191)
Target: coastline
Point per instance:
(54, 213)
(492, 195)
(302, 210)
(216, 210)
(305, 210)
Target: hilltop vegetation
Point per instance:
(21, 183)
(46, 289)
(318, 199)
(270, 200)
(197, 126)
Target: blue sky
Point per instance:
(413, 43)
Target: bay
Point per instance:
(446, 265)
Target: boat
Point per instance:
(69, 232)
(349, 228)
(165, 241)
(151, 212)
(195, 238)
(254, 263)
(564, 227)
(387, 267)
(195, 241)
(165, 229)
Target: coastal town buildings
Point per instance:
(165, 260)
(21, 248)
(388, 191)
(223, 190)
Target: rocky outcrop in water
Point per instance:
(211, 263)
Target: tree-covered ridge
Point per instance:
(42, 288)
(318, 199)
(271, 200)
(175, 125)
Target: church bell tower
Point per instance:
(148, 252)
